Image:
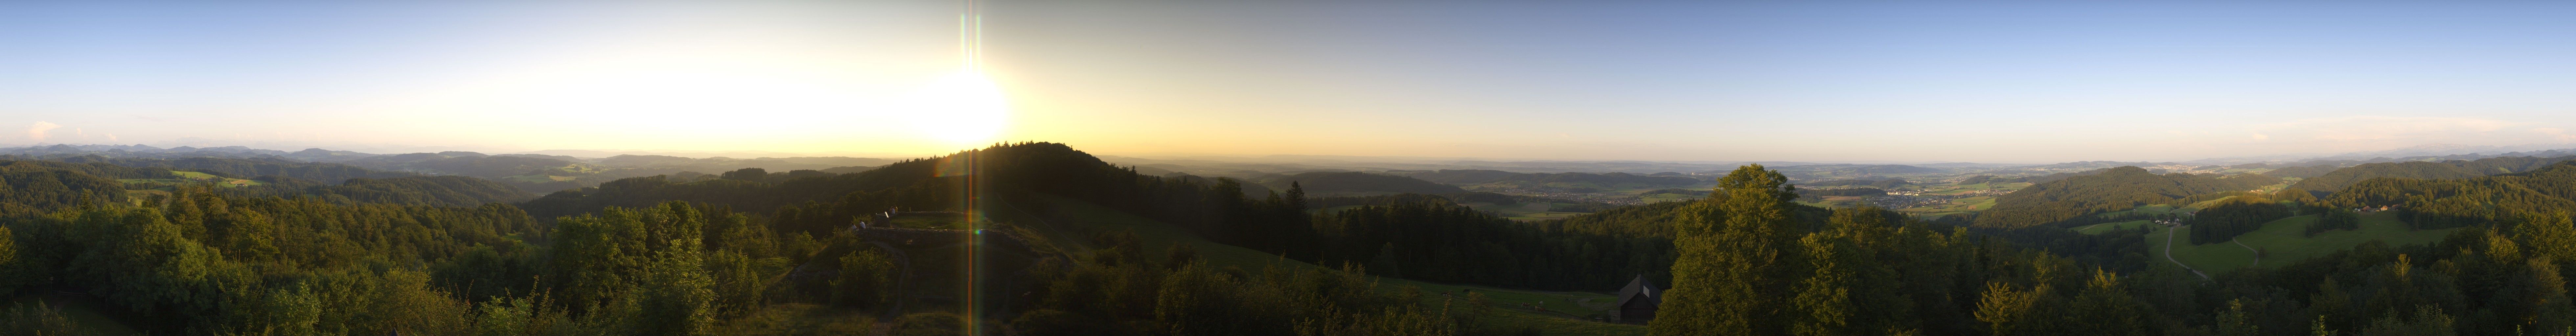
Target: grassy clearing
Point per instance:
(1966, 188)
(2282, 242)
(1157, 236)
(2210, 258)
(928, 222)
(1526, 211)
(2108, 227)
(799, 319)
(538, 178)
(1959, 205)
(1660, 198)
(189, 177)
(2206, 204)
(2151, 209)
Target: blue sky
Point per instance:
(1819, 81)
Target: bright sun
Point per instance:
(961, 108)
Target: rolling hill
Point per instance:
(2340, 178)
(1344, 183)
(2115, 189)
(1464, 176)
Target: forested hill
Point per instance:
(2302, 171)
(1355, 182)
(1603, 179)
(2112, 190)
(1478, 176)
(2340, 178)
(2442, 203)
(28, 187)
(38, 186)
(247, 168)
(758, 254)
(448, 191)
(1464, 176)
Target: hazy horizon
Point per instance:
(1650, 81)
(2418, 150)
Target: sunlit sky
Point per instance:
(1578, 80)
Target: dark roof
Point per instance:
(1639, 289)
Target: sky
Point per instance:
(1571, 80)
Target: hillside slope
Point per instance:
(2340, 178)
(2116, 189)
(1324, 183)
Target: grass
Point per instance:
(2210, 258)
(799, 319)
(1959, 205)
(1158, 236)
(2283, 241)
(2107, 227)
(1963, 204)
(1660, 198)
(2206, 204)
(189, 177)
(2151, 209)
(538, 178)
(1964, 188)
(927, 222)
(1526, 211)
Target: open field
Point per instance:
(1660, 198)
(189, 177)
(1955, 199)
(1525, 211)
(2107, 227)
(1964, 188)
(1965, 204)
(2151, 209)
(1158, 236)
(2282, 242)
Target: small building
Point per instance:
(1637, 302)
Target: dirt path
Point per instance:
(2258, 254)
(2169, 238)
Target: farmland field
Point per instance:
(2107, 227)
(2282, 242)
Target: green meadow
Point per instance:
(2281, 242)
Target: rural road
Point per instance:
(2169, 238)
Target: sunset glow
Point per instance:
(961, 108)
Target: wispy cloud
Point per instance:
(37, 131)
(2559, 134)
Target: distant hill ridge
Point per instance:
(2338, 179)
(1355, 182)
(2112, 190)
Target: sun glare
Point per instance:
(962, 108)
